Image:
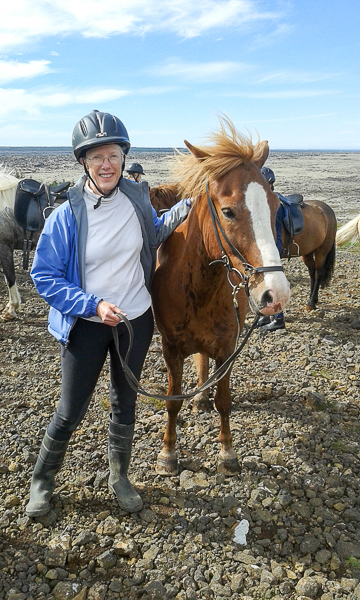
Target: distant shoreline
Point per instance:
(139, 149)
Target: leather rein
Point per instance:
(249, 270)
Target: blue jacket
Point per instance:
(58, 269)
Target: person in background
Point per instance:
(135, 171)
(95, 262)
(277, 321)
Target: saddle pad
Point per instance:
(30, 200)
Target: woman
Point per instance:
(95, 261)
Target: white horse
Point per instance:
(8, 185)
(12, 234)
(350, 232)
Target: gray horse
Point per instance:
(11, 238)
(24, 206)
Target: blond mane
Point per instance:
(7, 179)
(229, 149)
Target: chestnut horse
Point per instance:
(193, 298)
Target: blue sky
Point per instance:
(287, 69)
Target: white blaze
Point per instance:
(256, 202)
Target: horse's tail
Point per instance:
(350, 232)
(327, 271)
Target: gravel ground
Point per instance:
(286, 527)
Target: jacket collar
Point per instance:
(130, 188)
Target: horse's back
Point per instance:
(322, 207)
(164, 197)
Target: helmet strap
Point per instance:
(102, 195)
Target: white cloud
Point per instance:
(23, 101)
(210, 71)
(23, 21)
(300, 118)
(281, 94)
(156, 90)
(30, 103)
(10, 70)
(294, 77)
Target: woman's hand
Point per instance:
(108, 313)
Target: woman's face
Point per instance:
(104, 164)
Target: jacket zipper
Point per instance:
(72, 325)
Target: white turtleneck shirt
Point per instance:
(113, 270)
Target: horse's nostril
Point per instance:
(266, 298)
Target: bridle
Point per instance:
(249, 270)
(225, 260)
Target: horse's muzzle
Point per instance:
(271, 300)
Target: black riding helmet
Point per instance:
(135, 168)
(268, 174)
(96, 129)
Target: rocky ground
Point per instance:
(286, 527)
(295, 422)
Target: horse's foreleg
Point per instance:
(7, 263)
(201, 401)
(228, 461)
(167, 460)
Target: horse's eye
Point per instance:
(228, 213)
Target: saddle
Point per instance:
(293, 220)
(34, 202)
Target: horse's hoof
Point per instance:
(201, 403)
(8, 316)
(167, 465)
(310, 307)
(229, 466)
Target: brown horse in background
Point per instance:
(163, 197)
(193, 298)
(316, 245)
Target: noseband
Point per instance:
(225, 260)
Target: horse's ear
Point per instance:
(263, 148)
(199, 154)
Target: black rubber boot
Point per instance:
(49, 462)
(120, 443)
(277, 323)
(263, 321)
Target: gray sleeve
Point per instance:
(171, 220)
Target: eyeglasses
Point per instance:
(97, 161)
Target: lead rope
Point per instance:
(215, 377)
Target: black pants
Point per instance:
(82, 362)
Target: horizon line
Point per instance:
(69, 148)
